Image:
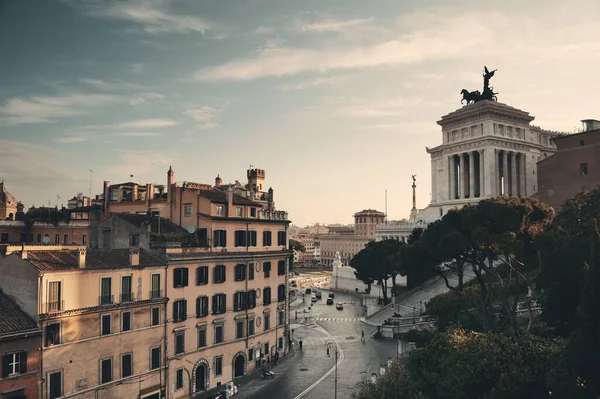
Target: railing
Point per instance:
(127, 297)
(106, 299)
(156, 294)
(273, 215)
(54, 306)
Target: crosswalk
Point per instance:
(339, 319)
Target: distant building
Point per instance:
(574, 168)
(8, 203)
(19, 344)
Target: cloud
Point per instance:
(205, 116)
(139, 134)
(109, 85)
(153, 16)
(144, 98)
(72, 139)
(263, 30)
(140, 162)
(48, 109)
(331, 25)
(330, 81)
(136, 68)
(152, 123)
(447, 39)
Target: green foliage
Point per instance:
(297, 245)
(451, 310)
(420, 338)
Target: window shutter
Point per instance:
(175, 307)
(23, 362)
(215, 274)
(185, 277)
(198, 307)
(224, 235)
(184, 303)
(224, 271)
(198, 274)
(235, 301)
(5, 365)
(175, 278)
(224, 296)
(214, 304)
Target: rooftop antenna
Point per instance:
(386, 214)
(57, 199)
(91, 177)
(251, 166)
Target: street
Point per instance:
(300, 378)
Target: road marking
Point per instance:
(340, 359)
(339, 319)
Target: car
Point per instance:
(308, 291)
(329, 301)
(294, 284)
(318, 294)
(297, 273)
(339, 306)
(331, 295)
(313, 299)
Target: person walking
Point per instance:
(300, 344)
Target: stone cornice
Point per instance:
(485, 110)
(486, 141)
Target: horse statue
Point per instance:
(470, 97)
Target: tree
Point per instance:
(373, 263)
(297, 245)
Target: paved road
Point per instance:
(312, 362)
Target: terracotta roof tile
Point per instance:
(58, 260)
(13, 318)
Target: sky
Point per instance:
(335, 99)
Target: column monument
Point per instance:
(413, 211)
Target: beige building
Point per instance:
(349, 241)
(102, 314)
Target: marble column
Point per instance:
(505, 172)
(451, 174)
(522, 174)
(462, 176)
(513, 175)
(481, 176)
(498, 182)
(472, 174)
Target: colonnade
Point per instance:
(469, 172)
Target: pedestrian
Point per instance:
(276, 357)
(269, 360)
(290, 342)
(300, 344)
(328, 351)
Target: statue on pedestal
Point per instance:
(487, 94)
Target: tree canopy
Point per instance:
(297, 245)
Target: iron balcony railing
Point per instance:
(127, 297)
(156, 294)
(106, 299)
(54, 306)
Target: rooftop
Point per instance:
(369, 212)
(13, 319)
(6, 197)
(166, 226)
(220, 197)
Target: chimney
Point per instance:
(134, 256)
(230, 202)
(81, 258)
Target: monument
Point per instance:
(487, 94)
(414, 211)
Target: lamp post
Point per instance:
(336, 367)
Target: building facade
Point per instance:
(574, 168)
(397, 230)
(102, 314)
(19, 343)
(8, 203)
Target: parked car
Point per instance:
(318, 294)
(308, 291)
(231, 389)
(313, 299)
(329, 301)
(331, 295)
(339, 306)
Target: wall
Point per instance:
(75, 230)
(346, 245)
(20, 280)
(29, 380)
(344, 280)
(120, 234)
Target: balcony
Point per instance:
(54, 306)
(106, 299)
(127, 297)
(273, 215)
(156, 294)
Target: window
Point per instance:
(52, 334)
(202, 337)
(238, 212)
(251, 238)
(219, 275)
(240, 272)
(251, 299)
(126, 365)
(203, 237)
(155, 316)
(583, 169)
(220, 238)
(126, 295)
(105, 321)
(106, 291)
(220, 210)
(267, 239)
(253, 212)
(179, 342)
(56, 239)
(250, 327)
(54, 296)
(239, 301)
(66, 239)
(202, 306)
(179, 310)
(134, 240)
(218, 334)
(240, 238)
(267, 322)
(202, 275)
(280, 343)
(154, 358)
(155, 291)
(281, 317)
(105, 370)
(84, 239)
(250, 271)
(126, 321)
(4, 237)
(281, 268)
(239, 329)
(267, 269)
(179, 379)
(187, 210)
(39, 238)
(267, 296)
(14, 363)
(218, 366)
(219, 303)
(281, 239)
(180, 277)
(281, 293)
(55, 381)
(31, 238)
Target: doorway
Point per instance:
(200, 378)
(239, 365)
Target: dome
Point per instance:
(6, 198)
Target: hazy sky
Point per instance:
(335, 99)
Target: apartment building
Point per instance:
(102, 314)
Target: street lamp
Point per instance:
(336, 364)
